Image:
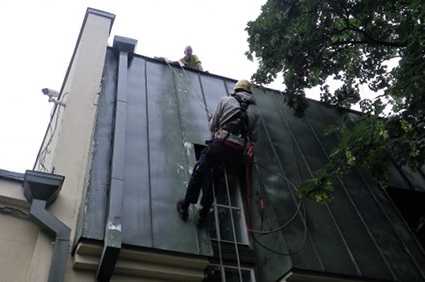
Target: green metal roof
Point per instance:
(143, 151)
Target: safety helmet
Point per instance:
(244, 85)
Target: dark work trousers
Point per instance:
(217, 153)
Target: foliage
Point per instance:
(315, 43)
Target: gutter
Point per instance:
(41, 189)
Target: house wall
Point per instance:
(67, 150)
(26, 250)
(331, 240)
(17, 234)
(71, 143)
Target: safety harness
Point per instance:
(238, 124)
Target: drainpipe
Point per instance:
(41, 189)
(124, 47)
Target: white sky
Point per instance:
(38, 38)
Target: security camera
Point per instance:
(50, 92)
(53, 95)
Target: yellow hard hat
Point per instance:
(244, 85)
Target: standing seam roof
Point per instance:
(360, 233)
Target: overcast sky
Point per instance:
(38, 38)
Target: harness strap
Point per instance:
(230, 144)
(241, 127)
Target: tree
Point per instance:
(314, 42)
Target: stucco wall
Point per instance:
(26, 251)
(17, 234)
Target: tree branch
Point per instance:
(369, 39)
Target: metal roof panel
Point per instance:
(360, 233)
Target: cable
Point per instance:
(282, 226)
(45, 150)
(297, 211)
(261, 232)
(277, 174)
(286, 253)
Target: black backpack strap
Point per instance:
(239, 124)
(244, 116)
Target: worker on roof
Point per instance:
(190, 60)
(234, 127)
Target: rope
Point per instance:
(248, 192)
(248, 184)
(261, 232)
(287, 253)
(282, 226)
(198, 97)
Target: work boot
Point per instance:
(201, 218)
(182, 210)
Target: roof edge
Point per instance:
(10, 175)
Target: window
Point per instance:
(213, 273)
(228, 232)
(233, 258)
(229, 209)
(411, 205)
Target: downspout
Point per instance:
(124, 47)
(41, 189)
(62, 233)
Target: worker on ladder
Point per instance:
(234, 127)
